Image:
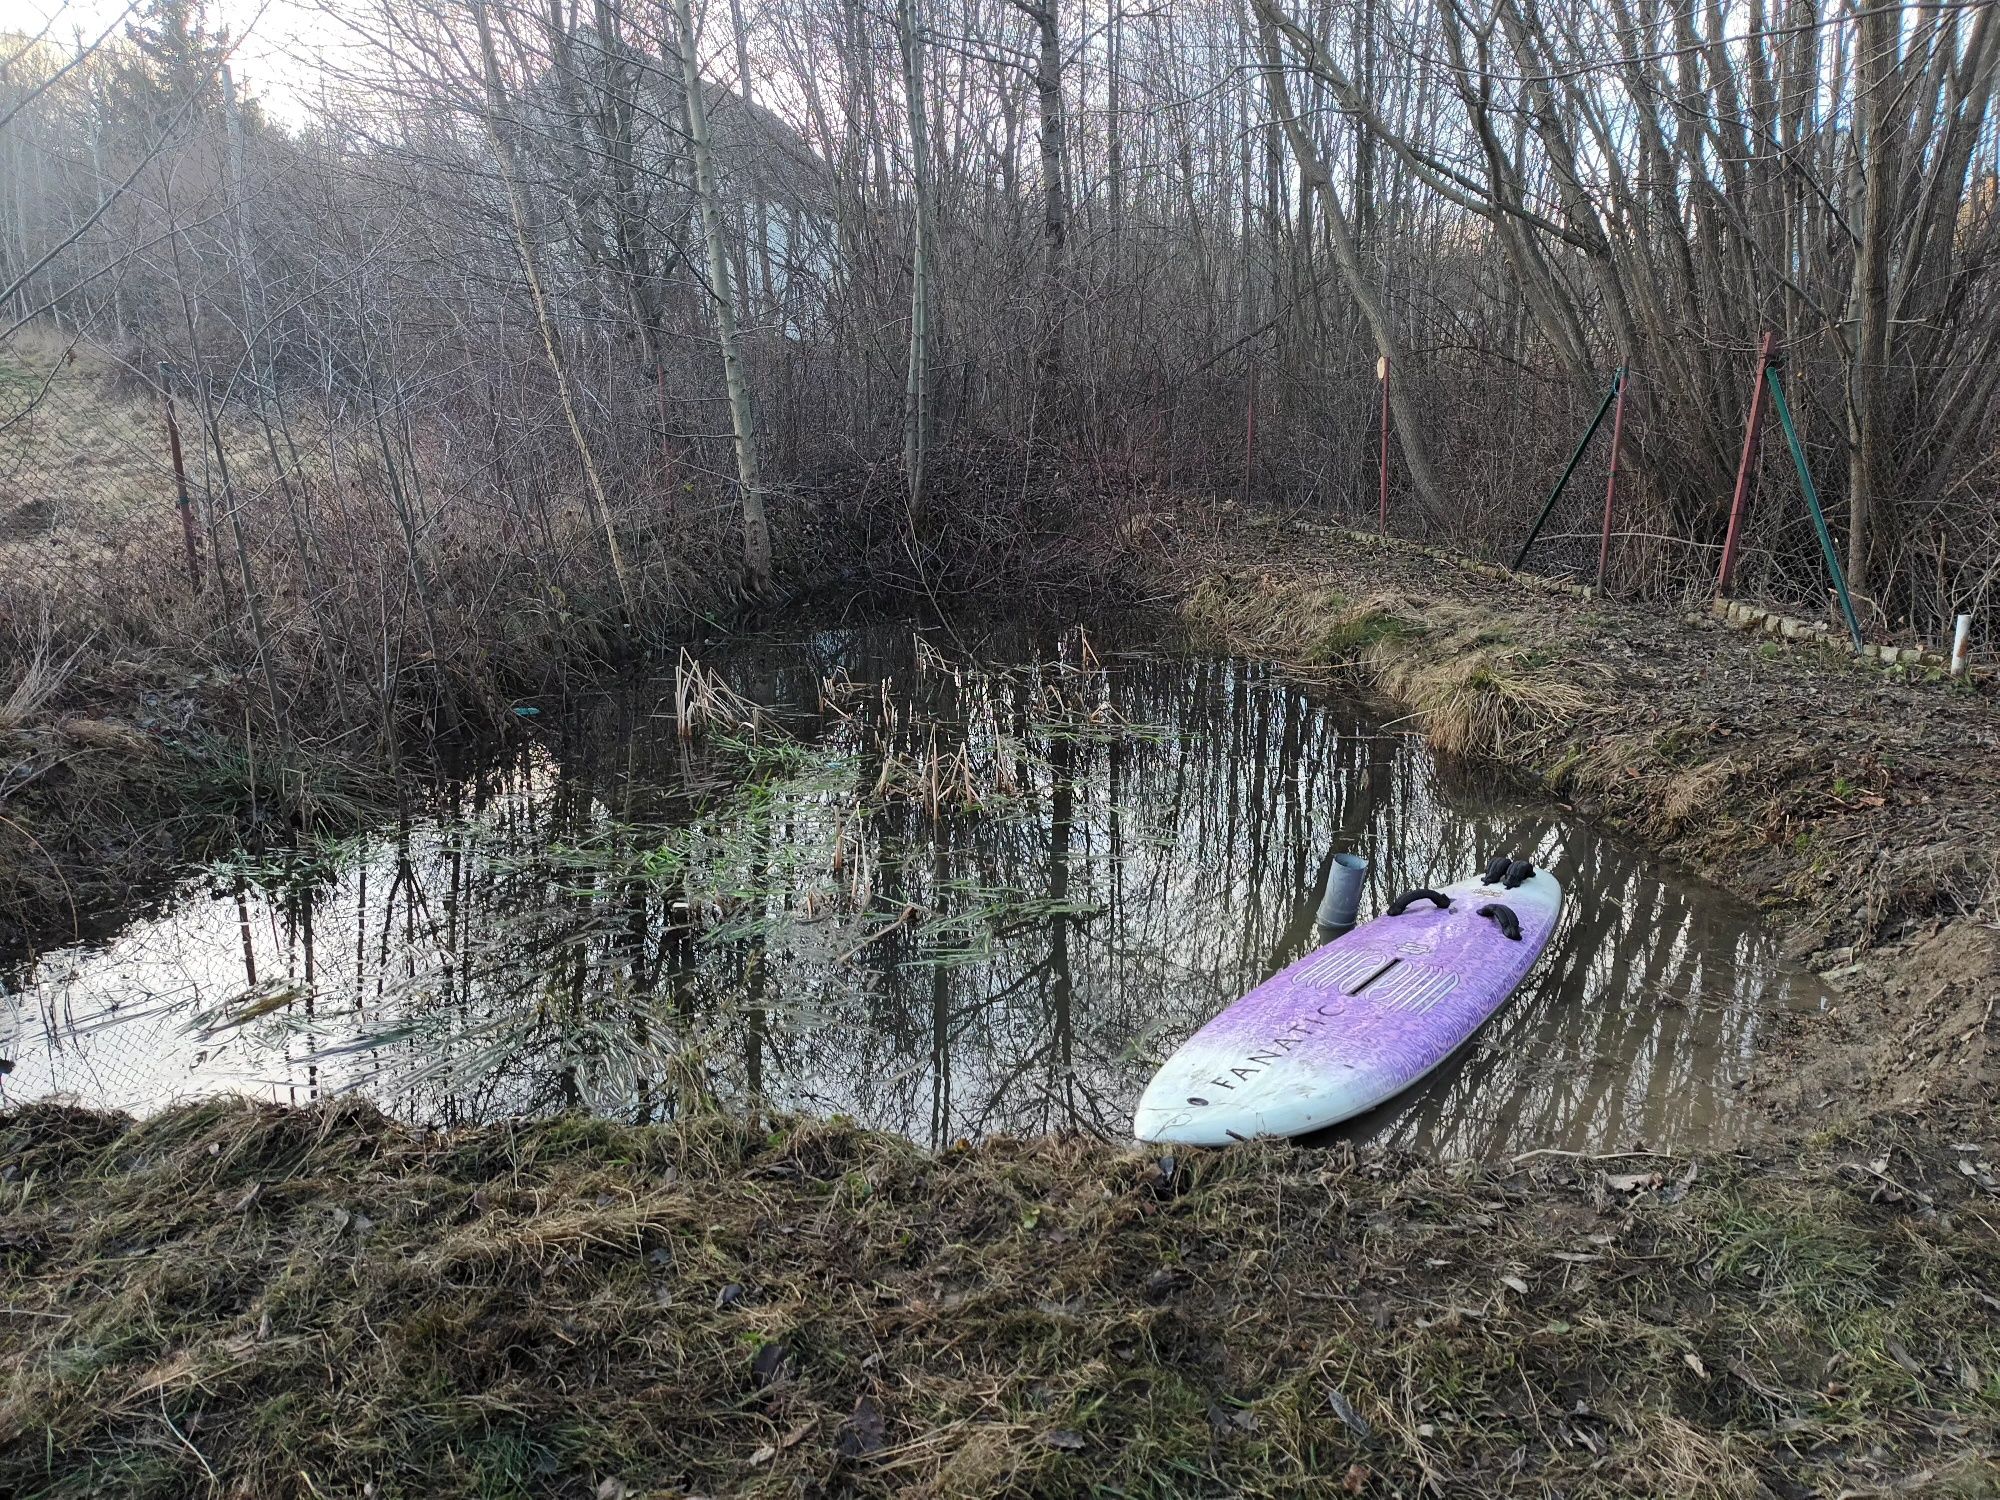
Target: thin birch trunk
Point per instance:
(756, 529)
(544, 319)
(916, 403)
(1347, 257)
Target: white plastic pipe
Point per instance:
(1961, 646)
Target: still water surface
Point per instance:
(949, 888)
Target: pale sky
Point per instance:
(281, 42)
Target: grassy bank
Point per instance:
(239, 1300)
(1796, 775)
(1860, 805)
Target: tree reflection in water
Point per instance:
(619, 921)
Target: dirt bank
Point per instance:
(1860, 804)
(244, 1300)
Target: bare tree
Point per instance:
(756, 530)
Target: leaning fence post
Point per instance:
(1767, 350)
(181, 501)
(1611, 477)
(1784, 411)
(1569, 468)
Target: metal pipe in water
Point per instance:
(1342, 899)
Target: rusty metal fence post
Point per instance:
(1622, 379)
(1767, 350)
(181, 500)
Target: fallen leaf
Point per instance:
(1693, 1362)
(769, 1363)
(256, 1192)
(1069, 1442)
(1630, 1182)
(1356, 1479)
(1232, 1419)
(763, 1456)
(1515, 1283)
(729, 1296)
(861, 1434)
(612, 1489)
(1344, 1409)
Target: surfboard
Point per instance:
(1356, 1021)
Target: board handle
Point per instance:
(1504, 869)
(1503, 918)
(1402, 903)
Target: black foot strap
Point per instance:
(1402, 903)
(1503, 918)
(1518, 872)
(1497, 868)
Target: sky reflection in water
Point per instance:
(611, 921)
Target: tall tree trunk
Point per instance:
(1114, 123)
(1055, 193)
(1881, 120)
(544, 317)
(760, 213)
(916, 402)
(1347, 257)
(756, 529)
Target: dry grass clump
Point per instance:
(242, 1300)
(1697, 793)
(1473, 704)
(37, 677)
(704, 701)
(1461, 672)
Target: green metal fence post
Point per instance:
(1569, 469)
(1812, 501)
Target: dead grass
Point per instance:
(37, 679)
(703, 701)
(1464, 676)
(244, 1300)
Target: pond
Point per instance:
(947, 887)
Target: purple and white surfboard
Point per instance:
(1352, 1023)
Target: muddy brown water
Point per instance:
(616, 920)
